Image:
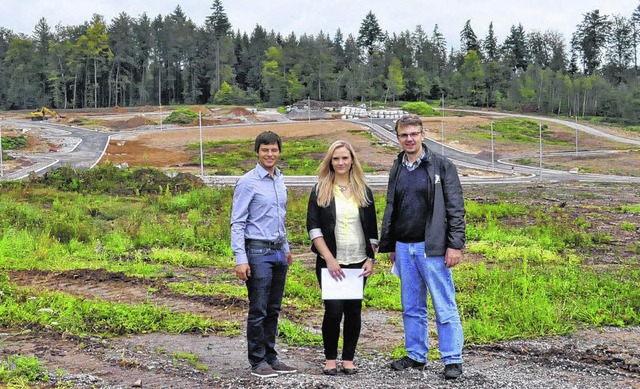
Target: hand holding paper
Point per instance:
(349, 288)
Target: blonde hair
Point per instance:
(326, 175)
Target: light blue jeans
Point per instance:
(419, 274)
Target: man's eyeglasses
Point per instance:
(413, 135)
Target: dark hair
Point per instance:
(408, 120)
(268, 138)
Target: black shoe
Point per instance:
(333, 371)
(452, 371)
(406, 362)
(348, 371)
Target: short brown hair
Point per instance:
(267, 138)
(408, 120)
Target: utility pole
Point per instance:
(492, 159)
(201, 154)
(309, 107)
(159, 84)
(540, 128)
(1, 156)
(442, 128)
(576, 136)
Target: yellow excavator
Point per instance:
(45, 113)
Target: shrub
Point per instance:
(13, 142)
(225, 95)
(115, 181)
(419, 108)
(182, 116)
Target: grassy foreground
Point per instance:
(528, 278)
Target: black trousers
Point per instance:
(334, 311)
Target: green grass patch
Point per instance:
(18, 371)
(630, 208)
(13, 142)
(419, 108)
(296, 334)
(530, 301)
(223, 288)
(181, 116)
(520, 131)
(298, 157)
(628, 226)
(191, 359)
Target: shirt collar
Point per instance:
(262, 172)
(416, 163)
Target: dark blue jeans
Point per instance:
(265, 288)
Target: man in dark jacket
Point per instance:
(423, 230)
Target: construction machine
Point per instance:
(45, 113)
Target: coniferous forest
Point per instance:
(135, 61)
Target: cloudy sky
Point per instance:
(311, 16)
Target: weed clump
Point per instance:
(109, 179)
(13, 142)
(182, 116)
(419, 108)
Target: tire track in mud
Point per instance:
(120, 288)
(122, 362)
(380, 329)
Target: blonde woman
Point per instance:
(341, 221)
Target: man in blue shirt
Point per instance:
(259, 244)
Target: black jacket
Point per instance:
(445, 225)
(324, 218)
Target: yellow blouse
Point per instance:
(350, 241)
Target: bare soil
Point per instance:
(598, 358)
(168, 149)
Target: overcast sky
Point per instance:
(313, 16)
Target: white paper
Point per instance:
(395, 270)
(349, 288)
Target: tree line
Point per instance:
(134, 61)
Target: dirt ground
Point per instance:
(168, 149)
